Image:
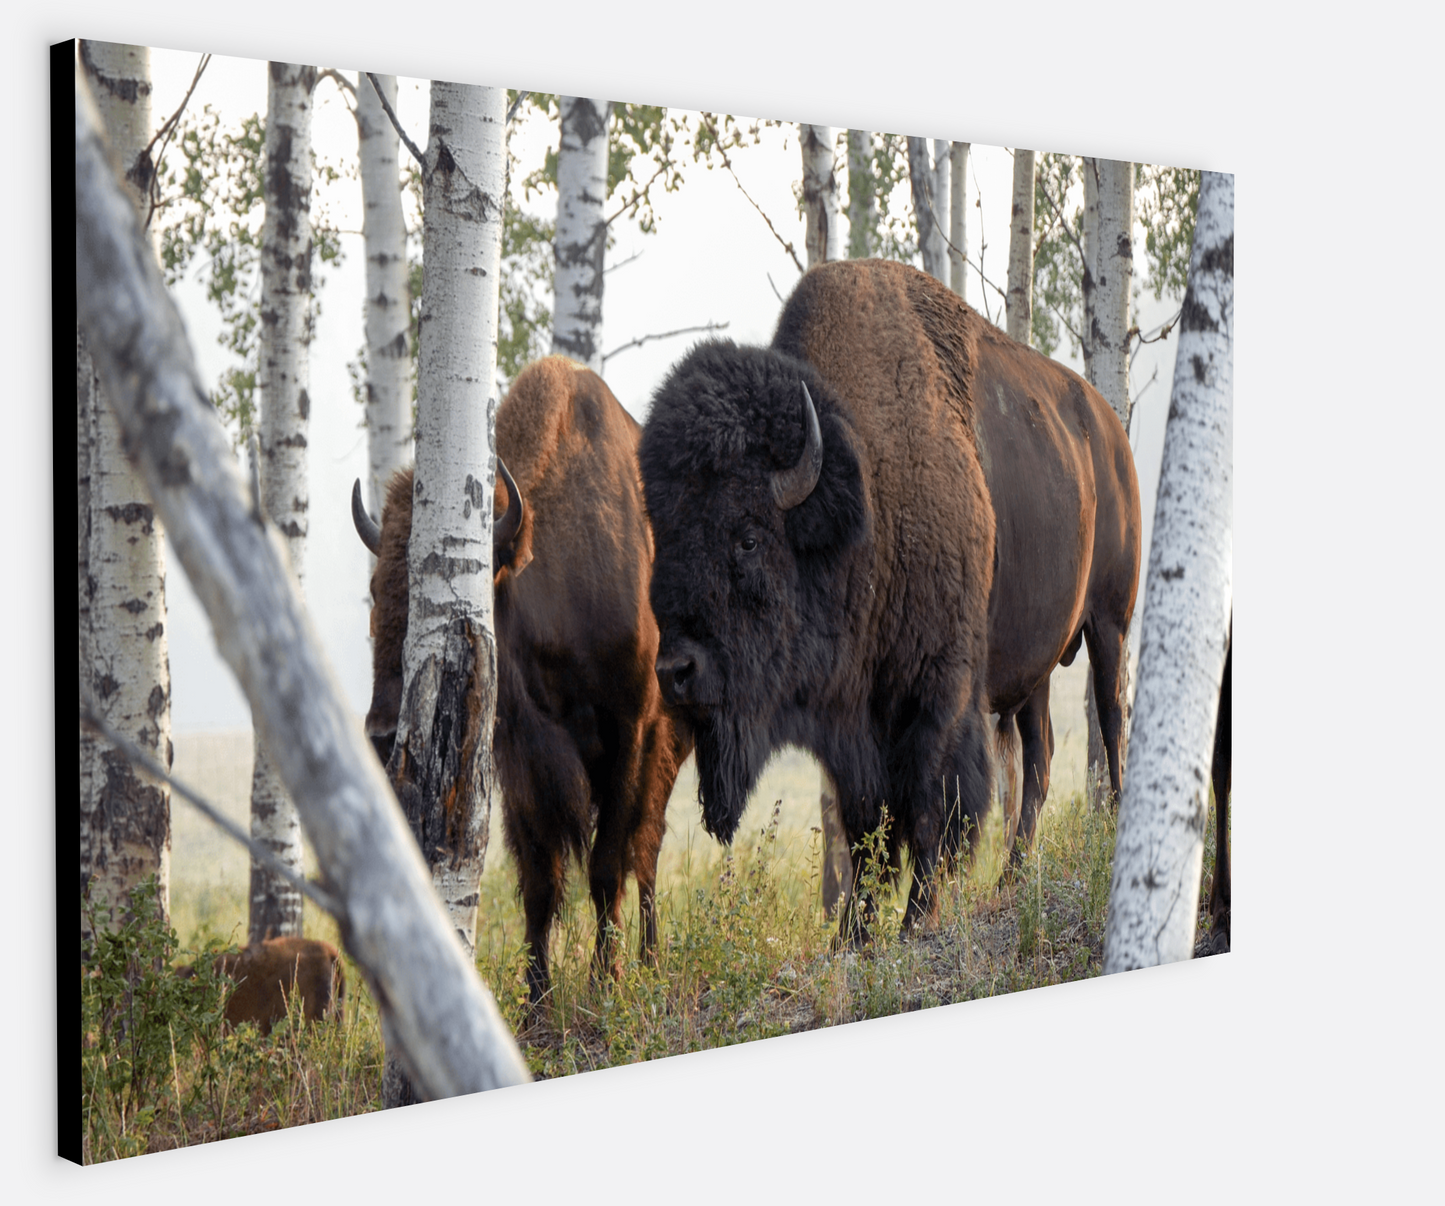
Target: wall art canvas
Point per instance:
(688, 572)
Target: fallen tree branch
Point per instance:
(435, 1011)
(396, 121)
(641, 339)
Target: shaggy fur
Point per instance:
(267, 973)
(855, 624)
(586, 756)
(1067, 537)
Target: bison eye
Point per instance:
(748, 543)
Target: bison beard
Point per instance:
(730, 756)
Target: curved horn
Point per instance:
(365, 526)
(505, 530)
(792, 486)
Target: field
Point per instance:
(743, 951)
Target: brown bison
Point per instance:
(945, 518)
(269, 973)
(586, 755)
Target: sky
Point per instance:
(711, 259)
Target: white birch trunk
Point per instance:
(388, 296)
(450, 654)
(1114, 260)
(942, 209)
(920, 178)
(581, 231)
(1111, 263)
(87, 387)
(434, 1009)
(1158, 854)
(285, 409)
(958, 220)
(823, 232)
(125, 819)
(862, 196)
(1020, 299)
(1090, 172)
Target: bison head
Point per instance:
(390, 591)
(755, 492)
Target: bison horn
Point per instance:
(505, 530)
(792, 486)
(365, 526)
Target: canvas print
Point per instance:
(565, 582)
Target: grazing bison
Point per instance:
(849, 625)
(825, 549)
(269, 973)
(586, 755)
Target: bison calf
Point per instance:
(269, 973)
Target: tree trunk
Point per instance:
(125, 819)
(942, 185)
(441, 764)
(862, 197)
(581, 233)
(1020, 299)
(820, 195)
(285, 410)
(1158, 854)
(87, 387)
(920, 176)
(958, 219)
(434, 1009)
(1090, 172)
(1110, 263)
(388, 297)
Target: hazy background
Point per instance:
(709, 260)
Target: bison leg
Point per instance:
(1037, 731)
(659, 771)
(543, 883)
(1106, 657)
(1220, 775)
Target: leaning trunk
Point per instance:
(285, 411)
(1020, 299)
(862, 196)
(125, 819)
(958, 218)
(1158, 854)
(388, 296)
(581, 231)
(820, 195)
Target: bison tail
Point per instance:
(1006, 771)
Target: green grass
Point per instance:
(744, 953)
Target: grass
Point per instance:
(744, 953)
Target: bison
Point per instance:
(269, 973)
(966, 516)
(825, 550)
(586, 754)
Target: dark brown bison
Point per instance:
(861, 638)
(269, 973)
(825, 550)
(586, 755)
(1220, 774)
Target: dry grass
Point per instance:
(744, 948)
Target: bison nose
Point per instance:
(677, 675)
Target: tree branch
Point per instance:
(312, 891)
(639, 195)
(636, 255)
(641, 339)
(727, 163)
(396, 122)
(168, 128)
(515, 105)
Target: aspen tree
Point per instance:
(581, 230)
(1188, 591)
(823, 238)
(1020, 298)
